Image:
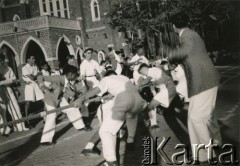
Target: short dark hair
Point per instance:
(44, 63)
(142, 66)
(28, 57)
(70, 69)
(180, 19)
(136, 47)
(87, 49)
(164, 62)
(118, 52)
(102, 62)
(110, 72)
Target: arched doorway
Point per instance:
(10, 56)
(33, 48)
(64, 48)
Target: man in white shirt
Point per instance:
(126, 103)
(69, 88)
(89, 69)
(114, 59)
(160, 81)
(135, 62)
(32, 92)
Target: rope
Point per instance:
(36, 116)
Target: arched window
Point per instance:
(16, 17)
(95, 10)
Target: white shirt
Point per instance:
(45, 73)
(89, 68)
(116, 84)
(9, 75)
(135, 58)
(117, 58)
(158, 77)
(29, 70)
(55, 73)
(65, 83)
(118, 69)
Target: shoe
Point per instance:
(48, 143)
(112, 163)
(154, 127)
(88, 128)
(29, 126)
(85, 129)
(26, 129)
(95, 152)
(5, 135)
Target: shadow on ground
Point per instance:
(17, 155)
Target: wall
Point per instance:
(96, 29)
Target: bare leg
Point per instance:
(27, 106)
(6, 130)
(152, 105)
(95, 138)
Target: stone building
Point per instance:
(53, 29)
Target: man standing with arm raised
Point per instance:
(202, 82)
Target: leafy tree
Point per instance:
(152, 18)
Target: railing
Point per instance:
(63, 23)
(37, 23)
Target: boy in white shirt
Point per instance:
(89, 69)
(45, 72)
(162, 82)
(32, 92)
(135, 62)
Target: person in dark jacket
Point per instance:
(202, 82)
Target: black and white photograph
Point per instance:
(119, 82)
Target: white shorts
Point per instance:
(32, 92)
(166, 95)
(110, 121)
